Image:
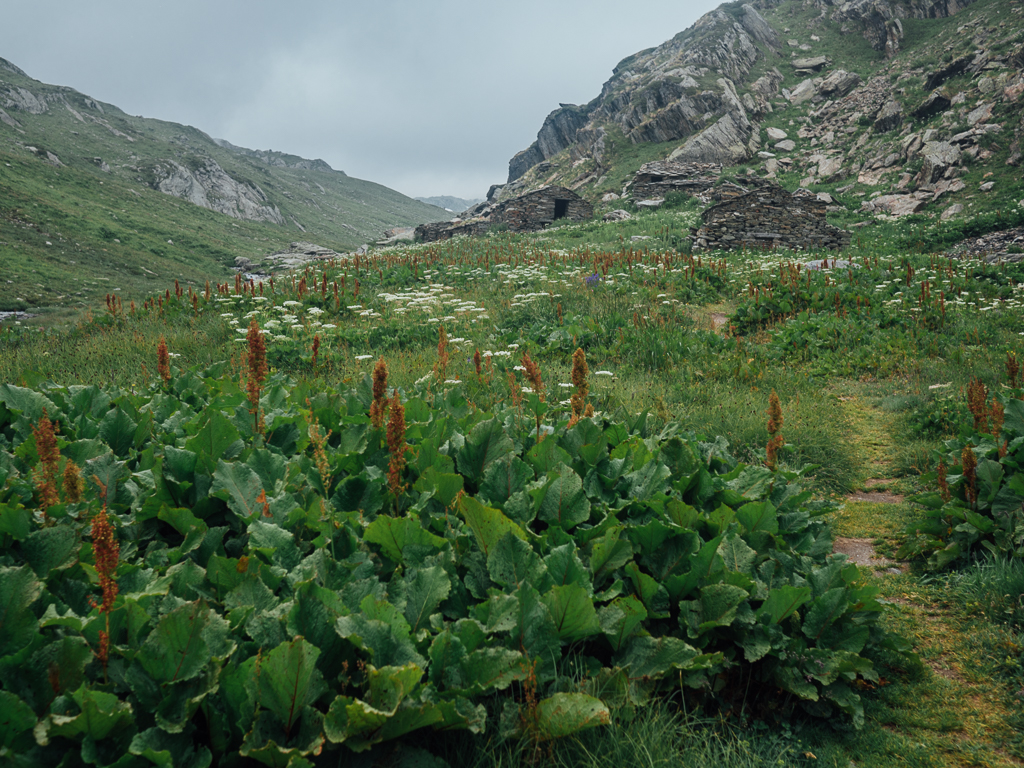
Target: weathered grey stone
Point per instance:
(952, 211)
(987, 186)
(618, 215)
(759, 28)
(804, 91)
(981, 114)
(936, 102)
(726, 142)
(786, 146)
(894, 205)
(209, 186)
(830, 168)
(777, 134)
(889, 118)
(838, 83)
(939, 156)
(656, 203)
(609, 197)
(812, 64)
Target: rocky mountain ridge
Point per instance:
(187, 163)
(902, 99)
(94, 200)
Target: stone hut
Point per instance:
(767, 216)
(657, 179)
(530, 212)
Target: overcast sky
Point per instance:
(429, 97)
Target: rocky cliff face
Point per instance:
(209, 186)
(711, 87)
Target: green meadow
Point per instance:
(579, 497)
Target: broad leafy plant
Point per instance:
(280, 587)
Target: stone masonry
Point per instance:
(527, 213)
(768, 217)
(657, 179)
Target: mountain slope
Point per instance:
(884, 98)
(129, 202)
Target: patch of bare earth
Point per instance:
(862, 552)
(880, 496)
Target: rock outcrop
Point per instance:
(206, 184)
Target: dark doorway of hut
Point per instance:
(561, 209)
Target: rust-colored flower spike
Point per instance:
(1012, 369)
(970, 467)
(532, 375)
(998, 415)
(74, 485)
(977, 394)
(316, 348)
(580, 371)
(106, 551)
(397, 446)
(379, 406)
(163, 361)
(477, 363)
(943, 483)
(775, 440)
(49, 456)
(256, 360)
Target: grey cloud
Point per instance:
(427, 98)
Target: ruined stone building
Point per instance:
(655, 180)
(530, 212)
(767, 216)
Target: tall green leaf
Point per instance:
(488, 524)
(19, 588)
(240, 487)
(573, 612)
(512, 563)
(424, 590)
(565, 504)
(486, 443)
(289, 680)
(393, 535)
(564, 714)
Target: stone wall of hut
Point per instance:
(769, 217)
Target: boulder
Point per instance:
(987, 186)
(839, 83)
(889, 117)
(804, 91)
(830, 169)
(935, 103)
(618, 215)
(786, 146)
(811, 64)
(981, 114)
(609, 197)
(894, 205)
(952, 211)
(777, 134)
(651, 204)
(939, 156)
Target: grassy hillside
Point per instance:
(107, 225)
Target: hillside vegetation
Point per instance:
(524, 497)
(82, 212)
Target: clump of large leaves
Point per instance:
(986, 514)
(274, 609)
